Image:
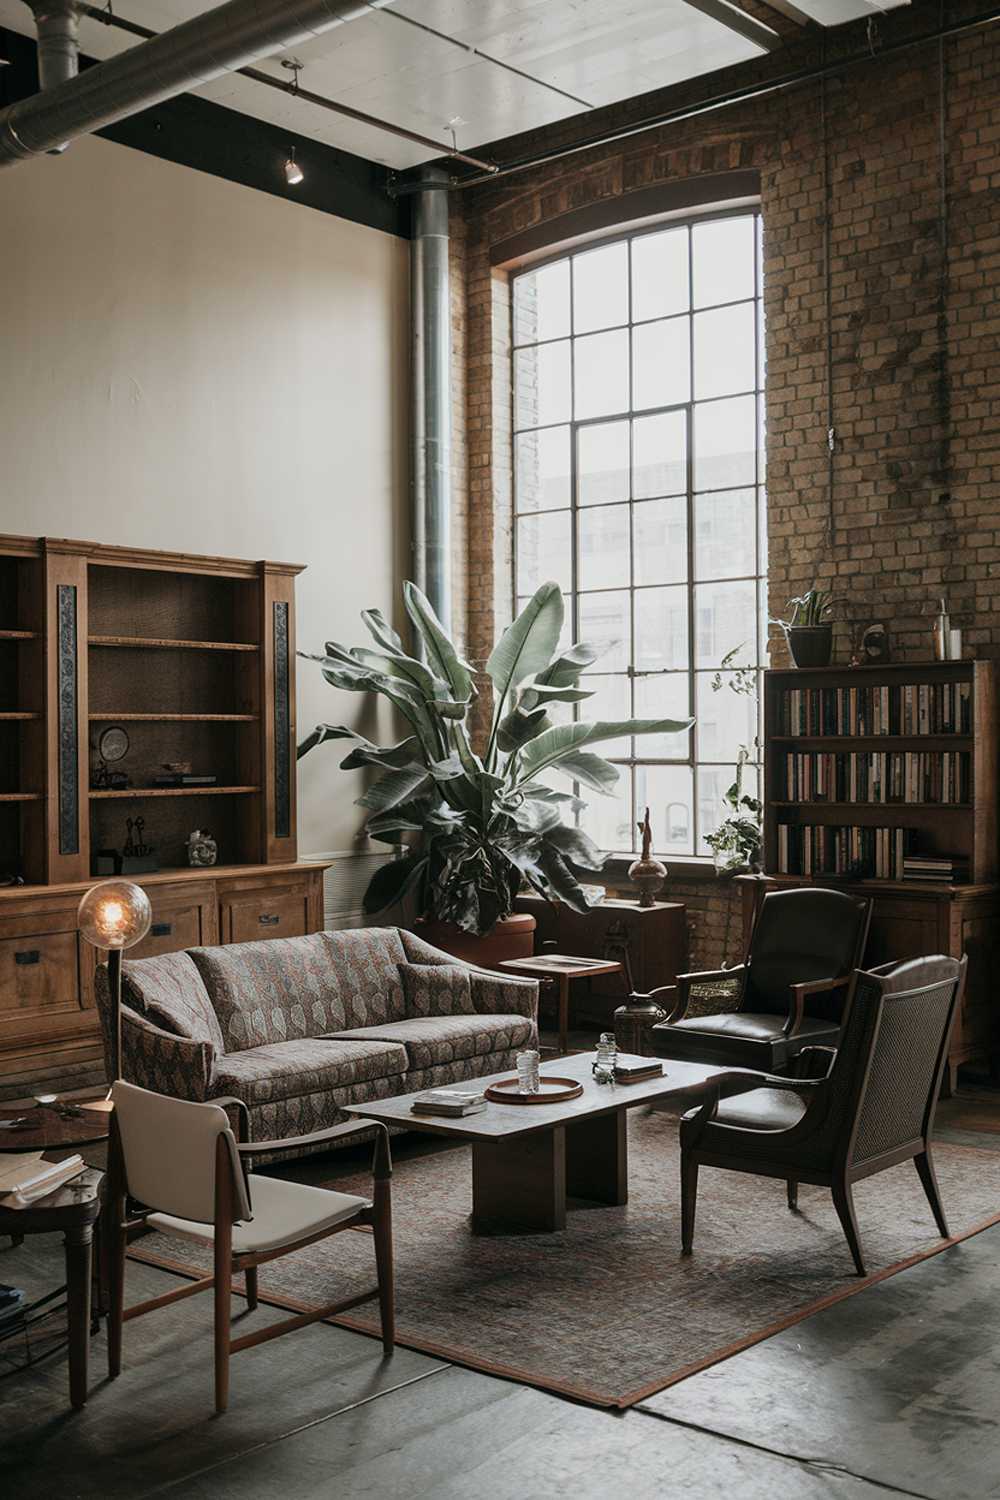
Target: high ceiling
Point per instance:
(483, 69)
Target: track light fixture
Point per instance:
(293, 172)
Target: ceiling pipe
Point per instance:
(431, 392)
(57, 23)
(194, 53)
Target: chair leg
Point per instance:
(382, 1228)
(221, 1291)
(843, 1202)
(689, 1199)
(117, 1247)
(793, 1193)
(251, 1285)
(925, 1170)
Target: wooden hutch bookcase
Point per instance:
(194, 658)
(866, 766)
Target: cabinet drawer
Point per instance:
(39, 972)
(173, 929)
(255, 915)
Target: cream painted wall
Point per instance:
(191, 364)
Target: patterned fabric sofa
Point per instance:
(298, 1027)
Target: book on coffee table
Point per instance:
(636, 1068)
(454, 1102)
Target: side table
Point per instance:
(560, 969)
(73, 1210)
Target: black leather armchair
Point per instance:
(873, 1109)
(787, 994)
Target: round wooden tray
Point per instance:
(551, 1091)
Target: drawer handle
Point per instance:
(28, 956)
(161, 929)
(269, 919)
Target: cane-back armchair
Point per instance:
(873, 1109)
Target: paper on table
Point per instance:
(31, 1178)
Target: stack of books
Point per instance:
(183, 778)
(453, 1102)
(27, 1177)
(635, 1069)
(936, 869)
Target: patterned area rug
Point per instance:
(607, 1311)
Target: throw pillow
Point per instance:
(436, 990)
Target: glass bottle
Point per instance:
(607, 1057)
(527, 1072)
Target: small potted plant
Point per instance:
(809, 631)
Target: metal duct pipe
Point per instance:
(431, 374)
(58, 24)
(183, 58)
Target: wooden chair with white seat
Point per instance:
(199, 1187)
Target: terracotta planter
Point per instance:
(514, 937)
(810, 645)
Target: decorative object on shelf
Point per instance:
(809, 631)
(112, 745)
(482, 821)
(942, 634)
(202, 848)
(606, 1058)
(875, 645)
(646, 872)
(137, 857)
(113, 916)
(633, 1023)
(527, 1071)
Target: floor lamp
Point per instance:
(113, 916)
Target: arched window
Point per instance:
(639, 487)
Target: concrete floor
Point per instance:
(893, 1391)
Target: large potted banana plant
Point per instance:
(477, 821)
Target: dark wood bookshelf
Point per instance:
(911, 916)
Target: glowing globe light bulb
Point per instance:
(115, 914)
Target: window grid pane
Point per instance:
(665, 551)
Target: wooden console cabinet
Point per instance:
(194, 658)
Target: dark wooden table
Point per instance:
(560, 969)
(528, 1158)
(72, 1210)
(47, 1130)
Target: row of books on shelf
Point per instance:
(910, 776)
(862, 854)
(905, 708)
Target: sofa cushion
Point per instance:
(434, 1040)
(436, 990)
(287, 989)
(169, 991)
(284, 1070)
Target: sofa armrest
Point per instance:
(503, 995)
(492, 994)
(167, 1064)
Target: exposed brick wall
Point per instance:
(913, 510)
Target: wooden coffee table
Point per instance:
(527, 1159)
